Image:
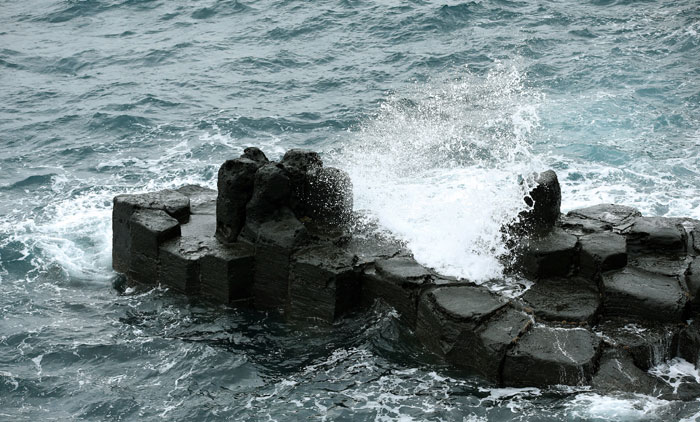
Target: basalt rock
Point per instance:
(604, 281)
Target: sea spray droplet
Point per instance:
(439, 166)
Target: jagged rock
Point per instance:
(618, 373)
(547, 356)
(689, 343)
(202, 200)
(271, 194)
(255, 154)
(549, 256)
(323, 283)
(172, 202)
(634, 293)
(235, 185)
(656, 235)
(226, 271)
(274, 245)
(648, 344)
(301, 161)
(611, 215)
(602, 252)
(148, 230)
(398, 281)
(564, 300)
(330, 196)
(545, 202)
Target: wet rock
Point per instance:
(330, 197)
(662, 264)
(274, 245)
(180, 257)
(647, 343)
(580, 226)
(148, 230)
(226, 271)
(602, 252)
(173, 203)
(564, 300)
(323, 283)
(202, 200)
(611, 215)
(656, 235)
(692, 281)
(470, 327)
(399, 282)
(635, 293)
(547, 356)
(255, 154)
(235, 185)
(549, 256)
(689, 343)
(301, 161)
(545, 202)
(618, 373)
(270, 196)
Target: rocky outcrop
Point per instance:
(613, 293)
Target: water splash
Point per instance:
(439, 166)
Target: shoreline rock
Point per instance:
(612, 290)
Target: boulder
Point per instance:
(601, 252)
(656, 235)
(202, 200)
(329, 196)
(398, 281)
(226, 271)
(648, 343)
(255, 154)
(635, 293)
(148, 230)
(547, 356)
(271, 195)
(173, 203)
(610, 215)
(235, 185)
(323, 283)
(551, 255)
(564, 300)
(544, 201)
(618, 373)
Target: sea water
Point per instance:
(438, 110)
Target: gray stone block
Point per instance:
(602, 252)
(564, 300)
(552, 255)
(226, 271)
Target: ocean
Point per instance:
(436, 109)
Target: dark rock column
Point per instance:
(235, 184)
(545, 202)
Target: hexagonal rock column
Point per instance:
(549, 256)
(544, 201)
(564, 300)
(235, 187)
(617, 372)
(173, 203)
(647, 343)
(656, 235)
(226, 272)
(634, 293)
(323, 283)
(602, 252)
(547, 356)
(148, 230)
(470, 326)
(399, 282)
(603, 217)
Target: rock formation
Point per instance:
(614, 293)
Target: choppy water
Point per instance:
(434, 108)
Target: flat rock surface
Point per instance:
(550, 356)
(549, 256)
(602, 252)
(656, 235)
(202, 200)
(612, 214)
(403, 270)
(465, 302)
(568, 300)
(635, 293)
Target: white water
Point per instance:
(439, 167)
